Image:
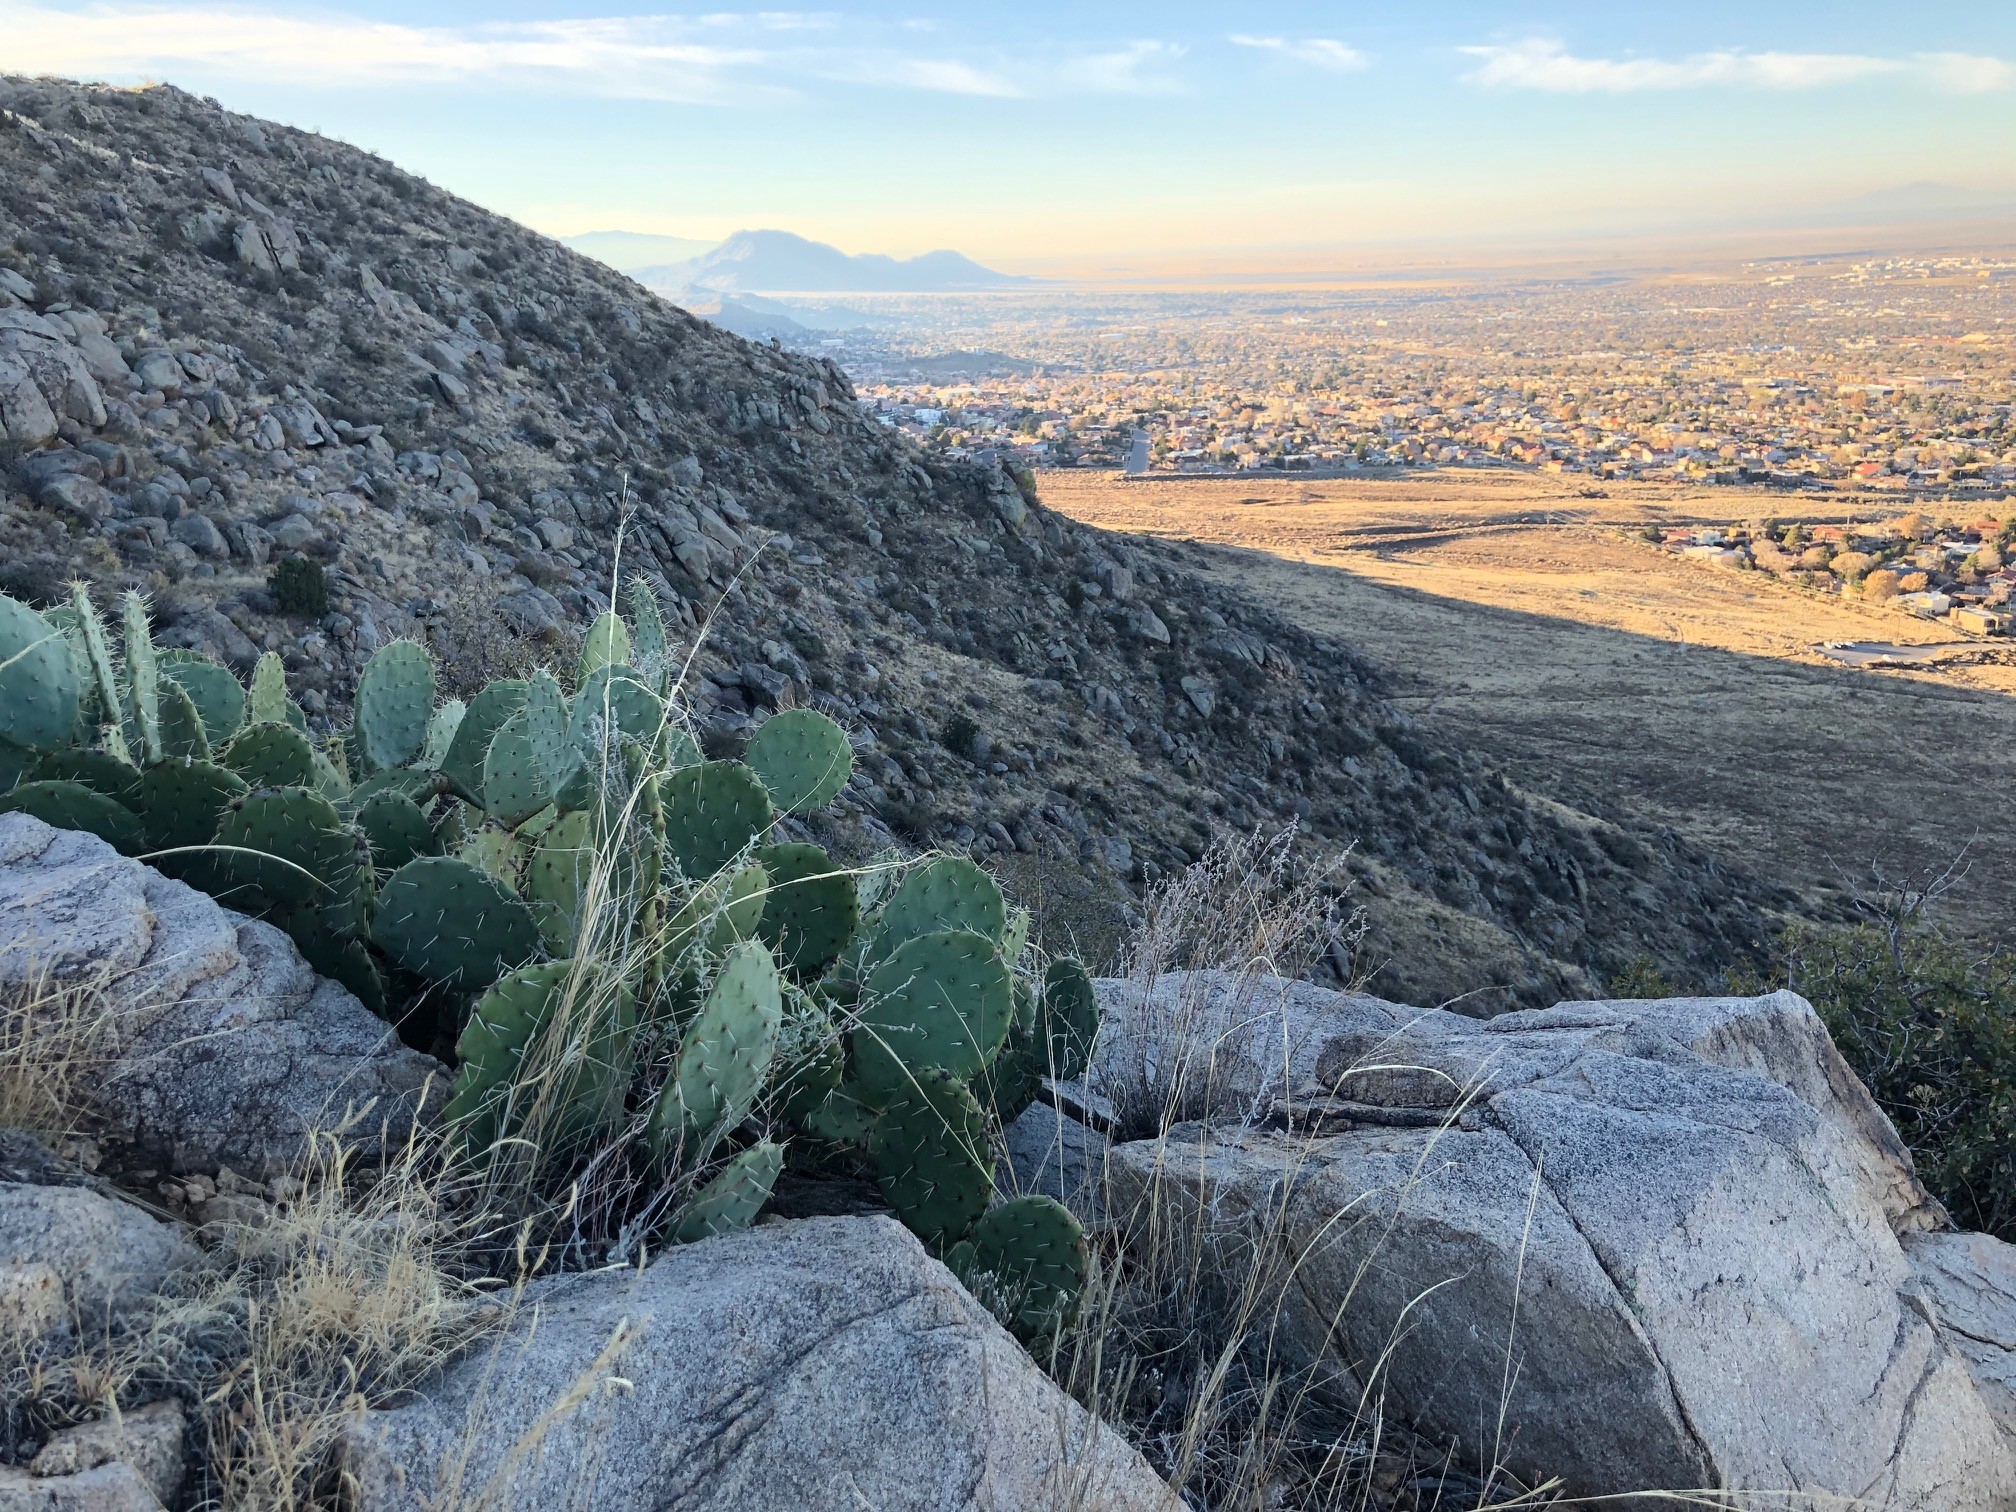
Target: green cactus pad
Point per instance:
(931, 1156)
(16, 762)
(492, 850)
(100, 771)
(803, 758)
(946, 892)
(395, 699)
(396, 829)
(143, 677)
(1034, 1250)
(681, 749)
(492, 1047)
(1014, 1077)
(713, 812)
(1070, 1018)
(617, 696)
(940, 1003)
(606, 644)
(181, 803)
(39, 689)
(723, 1060)
(213, 690)
(408, 782)
(732, 1199)
(811, 911)
(269, 702)
(470, 746)
(517, 774)
(444, 920)
(271, 755)
(650, 649)
(291, 845)
(555, 875)
(71, 805)
(182, 732)
(102, 676)
(441, 727)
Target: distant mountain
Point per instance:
(748, 317)
(1924, 200)
(634, 251)
(778, 261)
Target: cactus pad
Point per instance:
(803, 758)
(100, 771)
(214, 691)
(1035, 1251)
(271, 755)
(290, 844)
(395, 699)
(650, 649)
(616, 695)
(39, 689)
(182, 732)
(811, 911)
(269, 699)
(441, 727)
(940, 1003)
(723, 1061)
(396, 829)
(1070, 1018)
(556, 874)
(444, 920)
(71, 805)
(143, 677)
(946, 892)
(732, 1199)
(606, 644)
(713, 812)
(97, 659)
(470, 745)
(181, 803)
(931, 1156)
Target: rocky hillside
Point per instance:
(225, 343)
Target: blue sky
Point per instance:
(1049, 133)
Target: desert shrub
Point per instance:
(1929, 1023)
(1881, 586)
(960, 735)
(299, 587)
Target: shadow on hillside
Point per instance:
(1802, 774)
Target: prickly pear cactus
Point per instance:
(181, 802)
(287, 843)
(492, 1047)
(713, 813)
(395, 700)
(396, 828)
(606, 644)
(803, 758)
(469, 746)
(71, 805)
(143, 680)
(39, 688)
(271, 755)
(458, 927)
(181, 726)
(1070, 1018)
(213, 690)
(733, 1197)
(1033, 1253)
(945, 892)
(932, 1158)
(940, 1002)
(811, 911)
(724, 1059)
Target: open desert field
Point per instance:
(1519, 613)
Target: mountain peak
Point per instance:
(772, 261)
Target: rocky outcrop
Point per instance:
(827, 1362)
(1618, 1237)
(74, 1260)
(215, 1044)
(132, 1462)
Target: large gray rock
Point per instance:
(218, 1046)
(69, 1255)
(147, 1442)
(1656, 1271)
(824, 1363)
(1969, 1282)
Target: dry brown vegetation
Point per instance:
(1520, 615)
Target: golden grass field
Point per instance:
(1521, 617)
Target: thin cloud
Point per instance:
(717, 58)
(1123, 70)
(1321, 52)
(1545, 63)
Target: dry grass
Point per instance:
(53, 1039)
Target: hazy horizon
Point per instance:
(1055, 141)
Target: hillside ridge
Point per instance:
(224, 342)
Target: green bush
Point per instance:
(1930, 1025)
(298, 587)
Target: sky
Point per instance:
(1052, 133)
